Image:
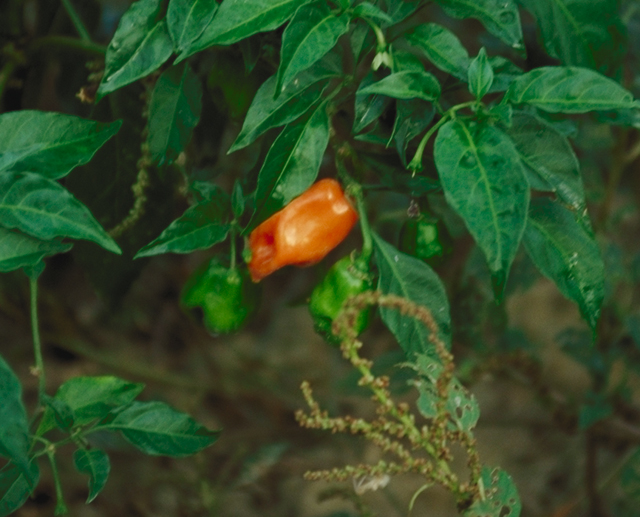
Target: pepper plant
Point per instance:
(454, 140)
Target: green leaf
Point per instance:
(568, 90)
(501, 19)
(398, 10)
(239, 19)
(292, 164)
(406, 85)
(268, 111)
(176, 103)
(140, 45)
(504, 73)
(566, 253)
(51, 144)
(62, 412)
(200, 227)
(576, 31)
(187, 20)
(368, 107)
(15, 487)
(412, 118)
(19, 250)
(483, 180)
(370, 11)
(311, 33)
(442, 47)
(237, 200)
(501, 496)
(480, 75)
(461, 405)
(548, 154)
(157, 429)
(91, 398)
(44, 209)
(411, 278)
(95, 464)
(14, 431)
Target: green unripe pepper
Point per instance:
(346, 278)
(426, 239)
(227, 296)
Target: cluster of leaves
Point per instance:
(352, 79)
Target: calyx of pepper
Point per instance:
(304, 231)
(346, 278)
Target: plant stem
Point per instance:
(367, 241)
(76, 20)
(416, 163)
(61, 507)
(35, 332)
(232, 260)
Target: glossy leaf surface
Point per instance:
(157, 429)
(292, 164)
(480, 75)
(187, 20)
(311, 33)
(95, 464)
(483, 180)
(44, 209)
(567, 254)
(176, 103)
(568, 90)
(140, 45)
(20, 250)
(406, 85)
(442, 47)
(51, 144)
(409, 277)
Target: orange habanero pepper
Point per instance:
(304, 231)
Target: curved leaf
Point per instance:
(95, 463)
(406, 85)
(176, 103)
(19, 250)
(292, 164)
(44, 209)
(566, 253)
(480, 76)
(568, 90)
(311, 33)
(187, 20)
(139, 46)
(411, 278)
(51, 144)
(15, 486)
(442, 47)
(483, 180)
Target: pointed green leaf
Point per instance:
(187, 20)
(62, 412)
(411, 278)
(292, 164)
(483, 180)
(236, 20)
(157, 429)
(501, 496)
(442, 47)
(51, 144)
(566, 253)
(368, 107)
(44, 209)
(504, 73)
(176, 103)
(20, 250)
(577, 31)
(140, 45)
(200, 227)
(91, 398)
(546, 152)
(95, 464)
(370, 11)
(268, 111)
(15, 487)
(14, 431)
(412, 118)
(480, 75)
(398, 10)
(568, 90)
(311, 33)
(501, 19)
(237, 200)
(406, 85)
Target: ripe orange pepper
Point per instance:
(304, 231)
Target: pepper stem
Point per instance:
(367, 241)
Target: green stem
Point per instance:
(61, 507)
(367, 241)
(416, 164)
(65, 42)
(232, 260)
(76, 20)
(35, 332)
